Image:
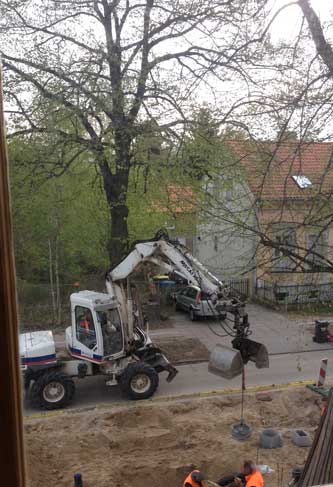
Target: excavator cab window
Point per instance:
(85, 328)
(112, 332)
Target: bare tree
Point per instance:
(87, 74)
(280, 164)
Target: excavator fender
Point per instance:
(154, 356)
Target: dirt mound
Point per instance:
(157, 444)
(182, 349)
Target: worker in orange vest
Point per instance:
(253, 477)
(86, 321)
(194, 479)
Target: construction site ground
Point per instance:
(155, 443)
(280, 333)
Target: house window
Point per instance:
(302, 181)
(285, 238)
(316, 244)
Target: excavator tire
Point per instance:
(52, 390)
(139, 381)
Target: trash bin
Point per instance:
(165, 287)
(321, 331)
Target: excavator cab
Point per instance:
(97, 332)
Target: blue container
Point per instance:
(165, 283)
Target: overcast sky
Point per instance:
(288, 22)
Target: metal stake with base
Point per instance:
(241, 431)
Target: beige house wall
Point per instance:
(272, 214)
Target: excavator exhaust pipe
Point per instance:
(228, 363)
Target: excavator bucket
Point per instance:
(228, 363)
(225, 362)
(252, 351)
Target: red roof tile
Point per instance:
(179, 199)
(269, 167)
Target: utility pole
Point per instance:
(11, 432)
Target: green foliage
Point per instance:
(70, 209)
(64, 215)
(201, 148)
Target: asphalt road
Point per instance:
(195, 378)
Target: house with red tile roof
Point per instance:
(288, 188)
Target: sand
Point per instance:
(155, 444)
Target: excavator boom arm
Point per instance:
(171, 256)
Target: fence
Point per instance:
(40, 306)
(294, 293)
(39, 309)
(239, 286)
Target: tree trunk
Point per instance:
(116, 187)
(52, 281)
(324, 48)
(118, 243)
(56, 271)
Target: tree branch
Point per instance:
(323, 47)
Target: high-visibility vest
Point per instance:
(85, 324)
(255, 479)
(189, 480)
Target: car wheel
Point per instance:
(193, 316)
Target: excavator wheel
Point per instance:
(52, 390)
(139, 381)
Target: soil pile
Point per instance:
(182, 349)
(156, 444)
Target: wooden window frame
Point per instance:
(12, 464)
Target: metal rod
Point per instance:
(243, 389)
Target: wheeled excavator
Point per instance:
(107, 334)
